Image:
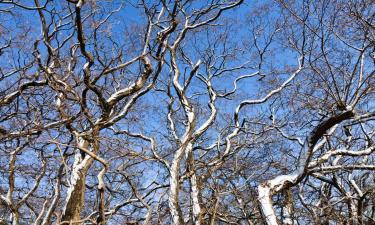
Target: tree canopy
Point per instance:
(187, 112)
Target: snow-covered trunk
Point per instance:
(195, 189)
(175, 187)
(101, 186)
(195, 193)
(76, 191)
(266, 205)
(186, 144)
(311, 145)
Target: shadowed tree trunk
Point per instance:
(76, 191)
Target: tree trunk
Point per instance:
(175, 187)
(76, 191)
(266, 205)
(195, 189)
(288, 207)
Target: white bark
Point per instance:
(76, 190)
(185, 145)
(195, 189)
(312, 145)
(175, 186)
(264, 198)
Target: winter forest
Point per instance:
(196, 112)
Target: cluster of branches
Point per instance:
(187, 112)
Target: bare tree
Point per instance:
(186, 112)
